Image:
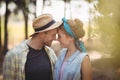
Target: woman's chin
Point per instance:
(63, 46)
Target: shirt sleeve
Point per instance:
(9, 66)
(51, 54)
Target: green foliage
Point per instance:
(109, 25)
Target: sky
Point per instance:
(57, 9)
(79, 9)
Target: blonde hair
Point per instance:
(77, 30)
(77, 27)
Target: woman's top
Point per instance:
(62, 70)
(72, 67)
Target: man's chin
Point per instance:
(49, 44)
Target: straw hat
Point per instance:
(44, 22)
(77, 27)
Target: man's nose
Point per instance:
(57, 39)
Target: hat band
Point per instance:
(45, 26)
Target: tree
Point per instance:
(34, 2)
(23, 5)
(43, 6)
(92, 15)
(7, 13)
(109, 26)
(65, 7)
(1, 2)
(45, 3)
(0, 31)
(25, 13)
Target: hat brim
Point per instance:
(55, 25)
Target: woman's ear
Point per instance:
(72, 39)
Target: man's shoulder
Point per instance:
(17, 49)
(49, 49)
(51, 53)
(21, 46)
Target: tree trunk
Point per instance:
(35, 2)
(70, 10)
(0, 35)
(26, 27)
(26, 24)
(5, 48)
(89, 27)
(64, 8)
(43, 6)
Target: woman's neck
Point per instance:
(71, 50)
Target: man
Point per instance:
(33, 59)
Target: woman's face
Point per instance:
(63, 38)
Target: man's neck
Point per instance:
(35, 44)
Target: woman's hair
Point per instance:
(77, 27)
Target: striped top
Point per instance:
(62, 70)
(72, 68)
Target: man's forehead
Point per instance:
(52, 31)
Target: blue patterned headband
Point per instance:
(71, 33)
(67, 28)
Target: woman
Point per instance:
(73, 63)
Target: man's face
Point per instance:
(49, 37)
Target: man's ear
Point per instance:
(41, 34)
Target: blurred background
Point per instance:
(101, 20)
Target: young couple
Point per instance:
(33, 59)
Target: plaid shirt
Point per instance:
(15, 59)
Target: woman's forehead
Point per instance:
(60, 31)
